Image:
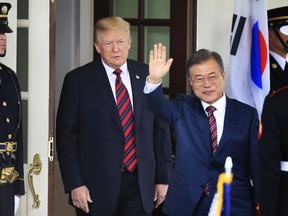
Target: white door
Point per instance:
(28, 55)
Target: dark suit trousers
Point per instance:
(7, 200)
(129, 200)
(203, 206)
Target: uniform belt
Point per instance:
(284, 166)
(8, 146)
(3, 181)
(8, 175)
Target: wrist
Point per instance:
(153, 80)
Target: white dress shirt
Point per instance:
(124, 76)
(219, 114)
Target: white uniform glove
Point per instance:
(16, 203)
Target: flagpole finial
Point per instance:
(228, 165)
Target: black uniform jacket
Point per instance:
(273, 148)
(10, 124)
(278, 77)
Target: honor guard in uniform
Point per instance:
(11, 141)
(273, 155)
(278, 47)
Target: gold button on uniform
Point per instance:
(9, 136)
(4, 103)
(7, 120)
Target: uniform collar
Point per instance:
(280, 60)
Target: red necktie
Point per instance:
(213, 138)
(127, 122)
(213, 128)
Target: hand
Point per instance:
(80, 198)
(158, 67)
(160, 193)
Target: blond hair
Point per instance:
(111, 24)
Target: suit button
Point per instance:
(9, 136)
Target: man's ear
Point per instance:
(271, 34)
(190, 81)
(97, 48)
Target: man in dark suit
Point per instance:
(273, 155)
(91, 137)
(11, 139)
(278, 47)
(203, 139)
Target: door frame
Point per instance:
(38, 101)
(52, 113)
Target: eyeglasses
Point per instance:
(109, 44)
(199, 80)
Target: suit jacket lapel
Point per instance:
(102, 85)
(230, 122)
(136, 85)
(202, 121)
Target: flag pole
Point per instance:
(224, 187)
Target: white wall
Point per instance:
(74, 37)
(214, 24)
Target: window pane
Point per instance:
(159, 9)
(22, 12)
(133, 54)
(125, 8)
(156, 35)
(22, 57)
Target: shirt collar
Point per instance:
(220, 104)
(110, 70)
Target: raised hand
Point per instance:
(158, 66)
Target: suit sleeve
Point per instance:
(253, 149)
(162, 108)
(163, 151)
(67, 135)
(269, 160)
